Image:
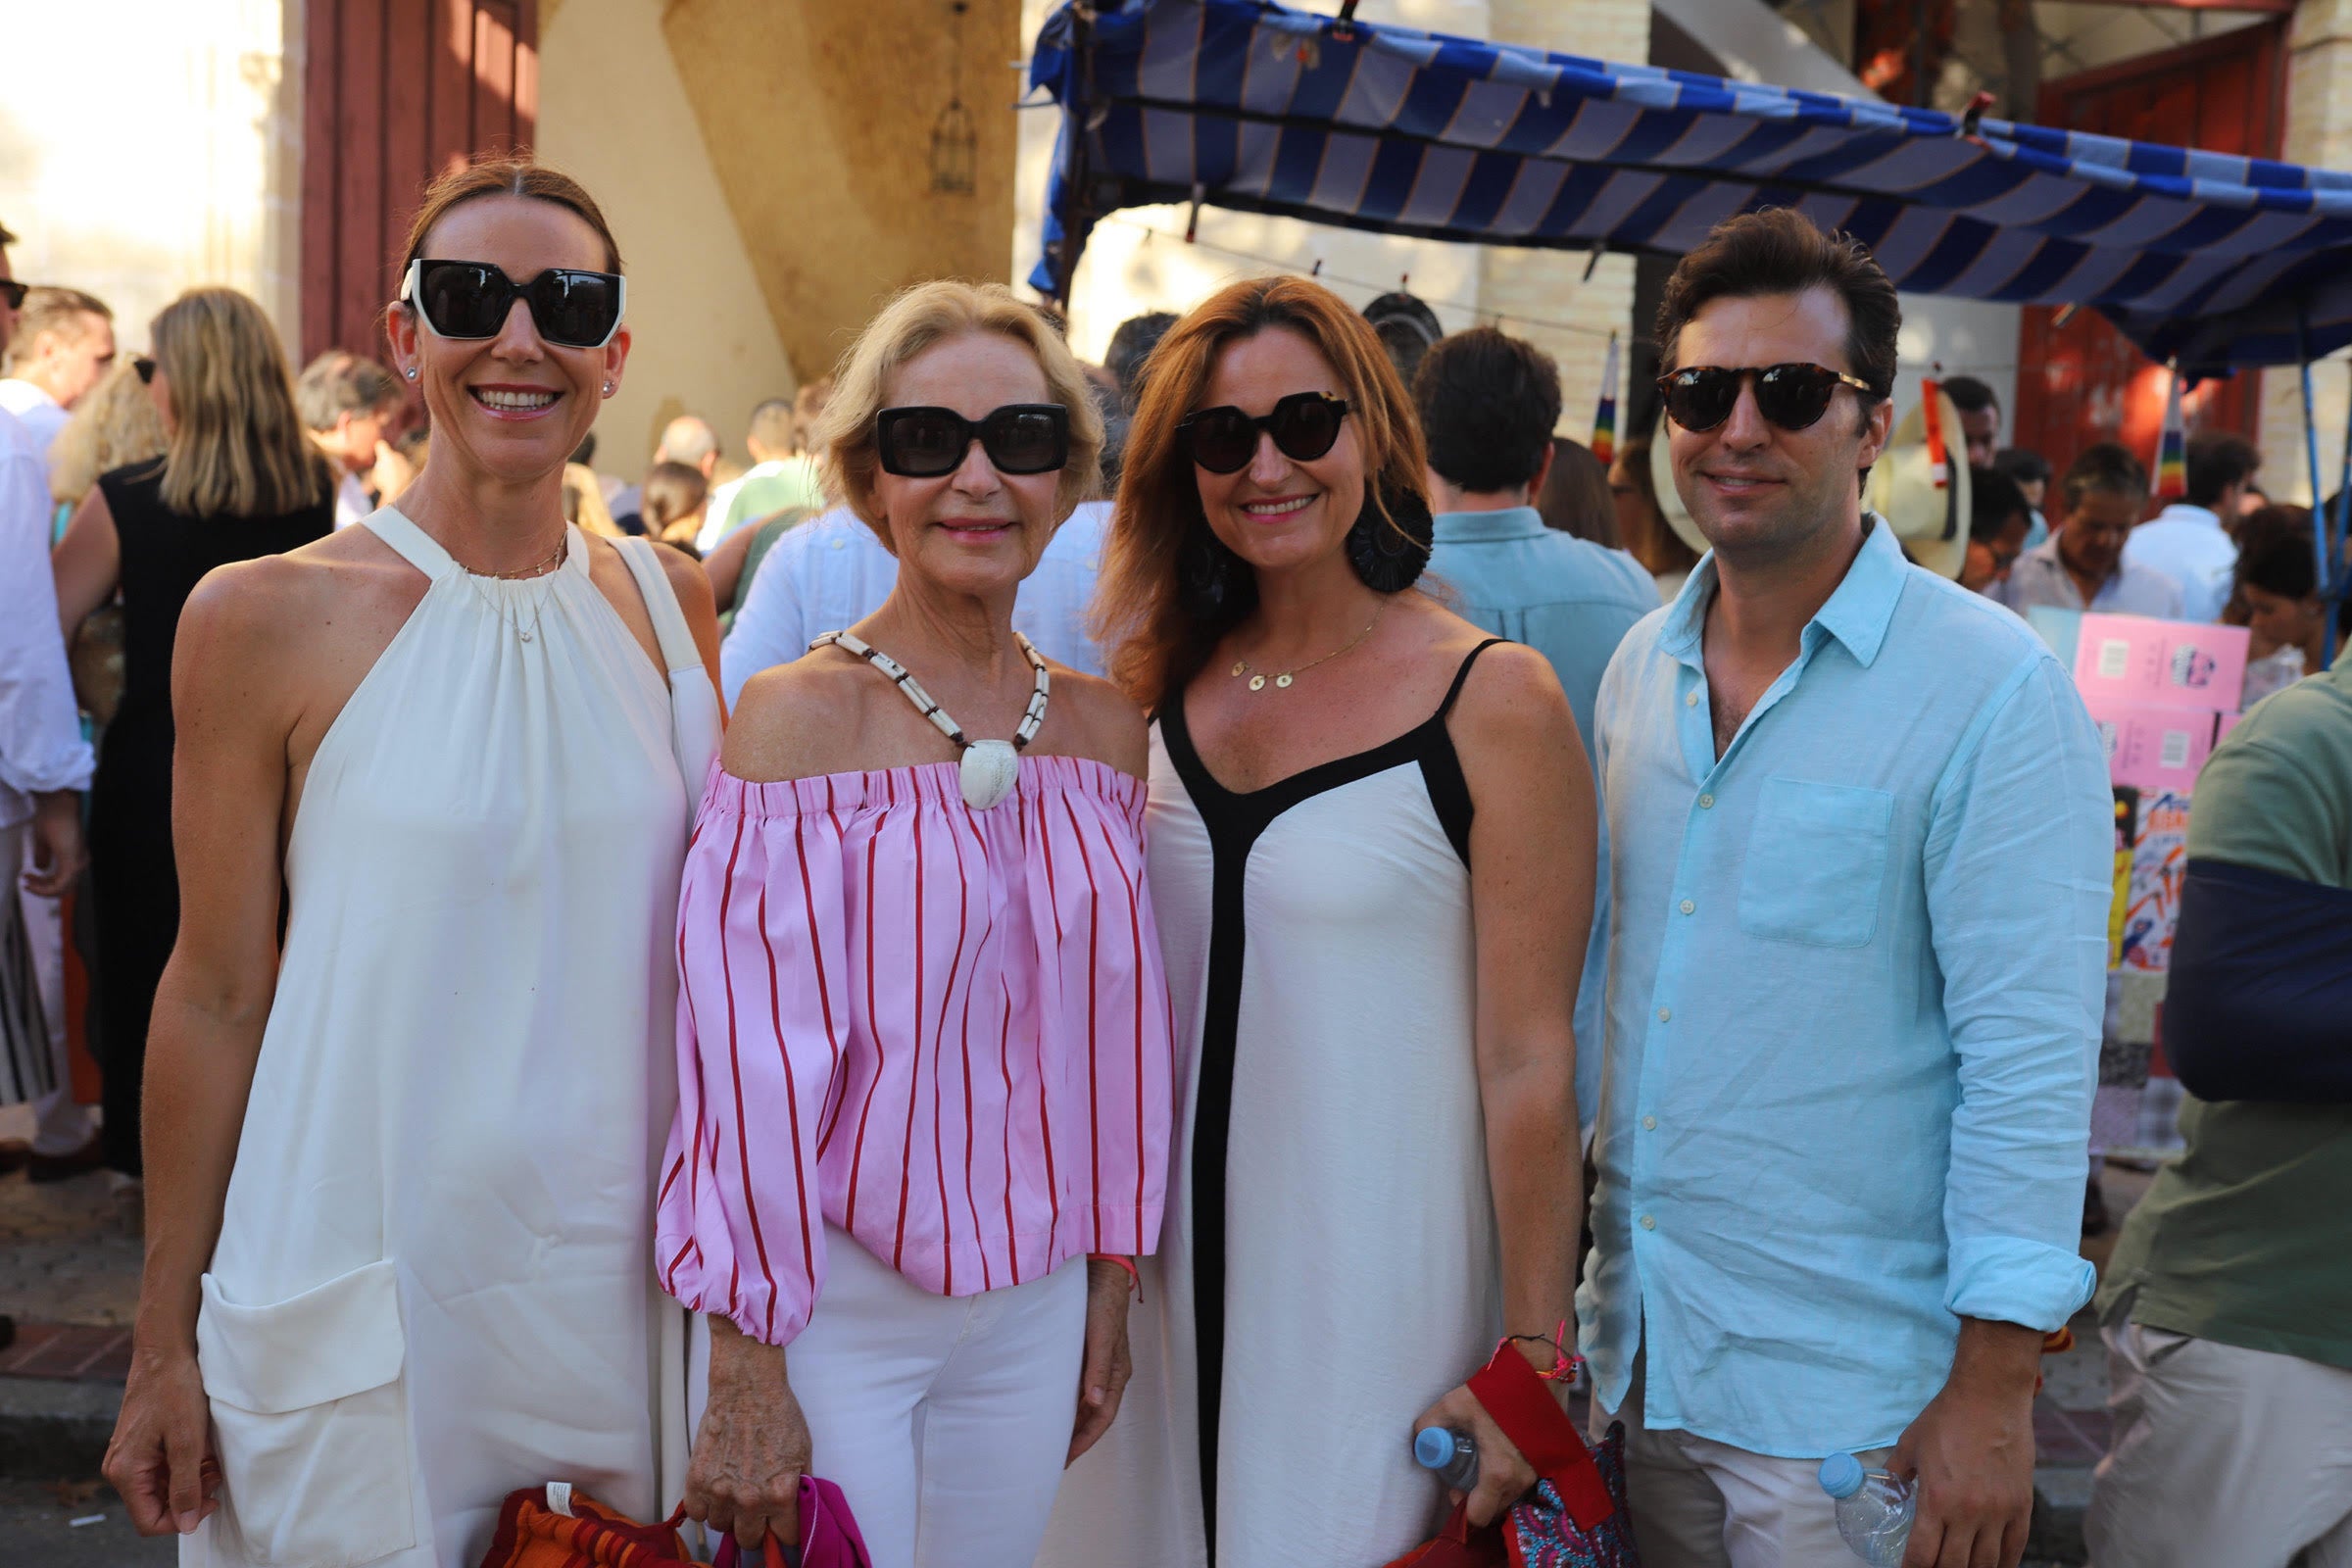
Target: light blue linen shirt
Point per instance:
(831, 572)
(1853, 1013)
(1573, 602)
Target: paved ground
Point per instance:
(73, 1524)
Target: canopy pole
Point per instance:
(1065, 264)
(2329, 527)
(2310, 424)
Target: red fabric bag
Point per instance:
(1575, 1518)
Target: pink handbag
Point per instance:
(829, 1537)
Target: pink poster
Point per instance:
(2170, 663)
(2151, 747)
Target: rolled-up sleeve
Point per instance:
(740, 1222)
(2019, 858)
(41, 748)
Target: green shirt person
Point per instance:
(2227, 1307)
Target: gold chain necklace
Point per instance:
(552, 560)
(1282, 682)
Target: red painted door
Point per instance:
(395, 92)
(2084, 382)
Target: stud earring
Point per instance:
(608, 389)
(412, 372)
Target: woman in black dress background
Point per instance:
(239, 480)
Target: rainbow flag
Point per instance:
(2172, 445)
(1604, 417)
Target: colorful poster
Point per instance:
(2173, 663)
(2159, 856)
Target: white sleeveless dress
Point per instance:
(434, 1283)
(1329, 1263)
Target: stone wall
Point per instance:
(2319, 131)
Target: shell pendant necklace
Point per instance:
(989, 768)
(1282, 682)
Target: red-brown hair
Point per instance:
(1157, 641)
(504, 177)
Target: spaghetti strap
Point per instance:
(1460, 675)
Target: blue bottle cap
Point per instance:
(1433, 1447)
(1841, 1475)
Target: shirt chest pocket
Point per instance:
(1816, 864)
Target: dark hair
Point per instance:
(1575, 498)
(2215, 462)
(1406, 327)
(2275, 552)
(1130, 350)
(1968, 394)
(1780, 251)
(671, 491)
(504, 177)
(585, 453)
(1993, 499)
(1487, 402)
(2023, 465)
(2108, 467)
(1661, 550)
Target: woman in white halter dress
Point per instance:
(431, 1283)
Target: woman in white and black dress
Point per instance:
(1371, 836)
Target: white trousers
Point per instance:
(60, 1125)
(2221, 1454)
(1699, 1503)
(944, 1419)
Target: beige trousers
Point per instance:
(2220, 1455)
(1699, 1503)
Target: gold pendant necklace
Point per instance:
(1282, 682)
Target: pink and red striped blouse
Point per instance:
(945, 1031)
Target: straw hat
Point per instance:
(1930, 521)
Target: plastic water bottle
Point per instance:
(1452, 1454)
(1874, 1509)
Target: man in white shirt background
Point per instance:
(2082, 565)
(2189, 541)
(348, 404)
(44, 764)
(64, 342)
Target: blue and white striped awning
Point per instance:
(2221, 261)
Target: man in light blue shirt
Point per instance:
(1862, 839)
(833, 571)
(2188, 541)
(1488, 406)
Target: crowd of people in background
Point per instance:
(1377, 753)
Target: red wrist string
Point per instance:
(1135, 1279)
(1566, 1365)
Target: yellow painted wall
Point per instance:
(161, 154)
(817, 116)
(613, 115)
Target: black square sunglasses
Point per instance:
(1224, 439)
(16, 290)
(1794, 397)
(924, 442)
(572, 309)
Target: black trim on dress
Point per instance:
(1235, 820)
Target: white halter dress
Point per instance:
(434, 1283)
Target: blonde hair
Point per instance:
(584, 495)
(237, 447)
(113, 427)
(918, 317)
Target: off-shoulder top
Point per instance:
(945, 1031)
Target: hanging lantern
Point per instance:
(955, 149)
(955, 144)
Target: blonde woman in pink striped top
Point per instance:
(924, 1044)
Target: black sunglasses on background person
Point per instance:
(1792, 396)
(924, 442)
(1305, 425)
(15, 292)
(571, 308)
(146, 369)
